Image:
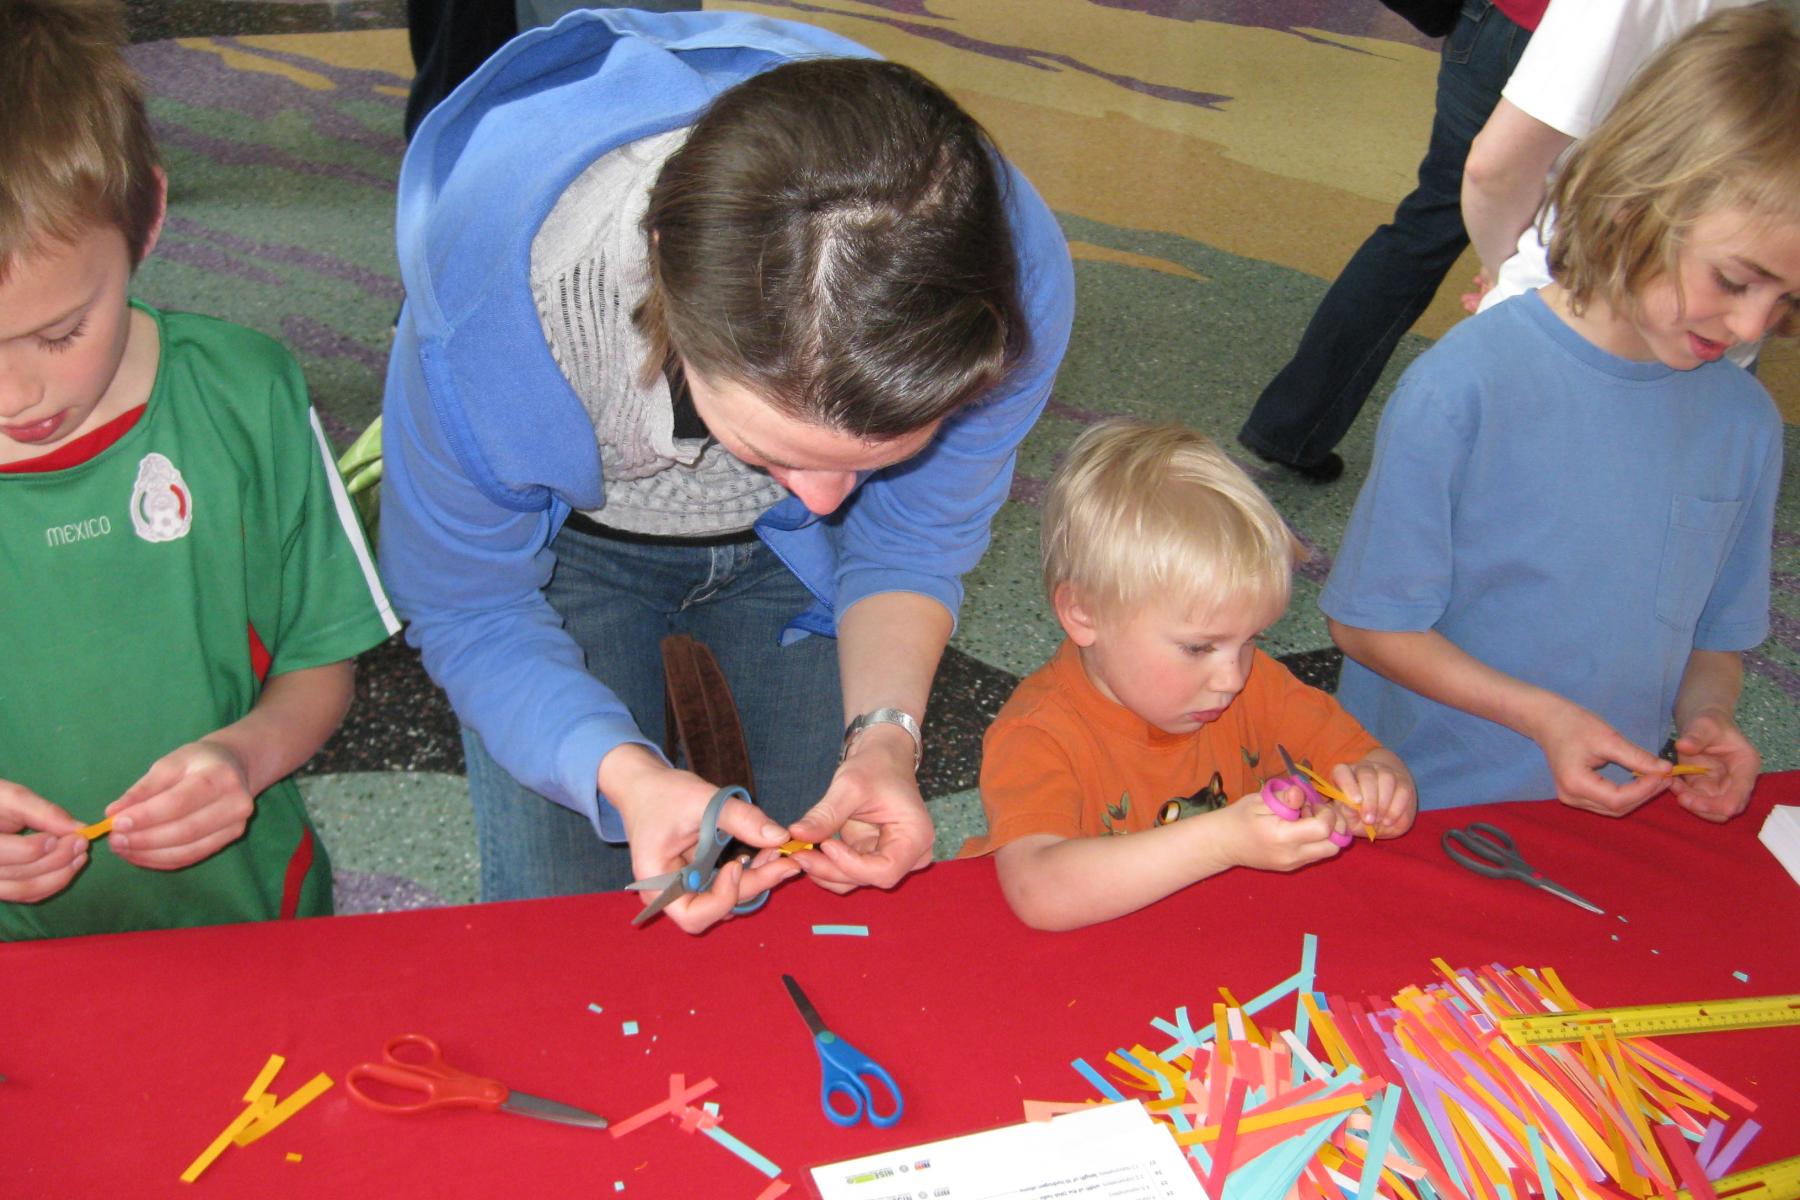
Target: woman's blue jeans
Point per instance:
(618, 599)
(1307, 408)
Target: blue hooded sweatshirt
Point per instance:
(486, 448)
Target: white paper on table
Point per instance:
(1109, 1152)
(1781, 834)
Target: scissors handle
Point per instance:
(846, 1071)
(421, 1072)
(1300, 789)
(1279, 791)
(698, 875)
(1486, 850)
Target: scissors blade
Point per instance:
(1287, 759)
(670, 894)
(1557, 889)
(527, 1105)
(807, 1012)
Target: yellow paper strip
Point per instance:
(98, 829)
(1149, 1058)
(310, 1091)
(1325, 1029)
(263, 1080)
(250, 1114)
(1284, 1116)
(1474, 1144)
(1633, 1105)
(1548, 1093)
(1139, 1079)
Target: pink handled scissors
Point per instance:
(1293, 795)
(413, 1065)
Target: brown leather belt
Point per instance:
(700, 718)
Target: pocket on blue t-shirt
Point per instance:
(1693, 552)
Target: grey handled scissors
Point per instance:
(845, 1071)
(1487, 850)
(698, 875)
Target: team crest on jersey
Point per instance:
(162, 507)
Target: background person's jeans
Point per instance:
(618, 600)
(1306, 410)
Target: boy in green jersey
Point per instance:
(182, 578)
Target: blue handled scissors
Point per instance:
(845, 1070)
(1488, 850)
(698, 875)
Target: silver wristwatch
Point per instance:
(884, 716)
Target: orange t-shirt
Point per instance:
(1063, 759)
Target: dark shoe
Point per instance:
(1325, 470)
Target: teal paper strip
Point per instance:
(1546, 1181)
(1381, 1132)
(1099, 1081)
(717, 1133)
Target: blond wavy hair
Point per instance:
(1139, 513)
(1711, 123)
(76, 149)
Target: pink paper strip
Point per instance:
(1687, 1169)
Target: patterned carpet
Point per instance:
(1213, 163)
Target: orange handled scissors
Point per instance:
(413, 1065)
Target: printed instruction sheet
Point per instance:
(1110, 1152)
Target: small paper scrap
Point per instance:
(841, 930)
(595, 1008)
(292, 1157)
(629, 1028)
(98, 829)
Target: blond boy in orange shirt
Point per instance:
(1165, 564)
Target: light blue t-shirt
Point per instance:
(1574, 519)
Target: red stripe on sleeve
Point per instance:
(260, 658)
(297, 868)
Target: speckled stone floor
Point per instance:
(1212, 162)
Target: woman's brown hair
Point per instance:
(833, 236)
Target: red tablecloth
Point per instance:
(126, 1055)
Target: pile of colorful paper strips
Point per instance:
(1421, 1097)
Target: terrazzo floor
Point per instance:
(1212, 162)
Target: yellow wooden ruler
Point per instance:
(1654, 1020)
(1775, 1181)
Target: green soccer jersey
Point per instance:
(147, 589)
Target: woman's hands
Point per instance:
(871, 827)
(662, 807)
